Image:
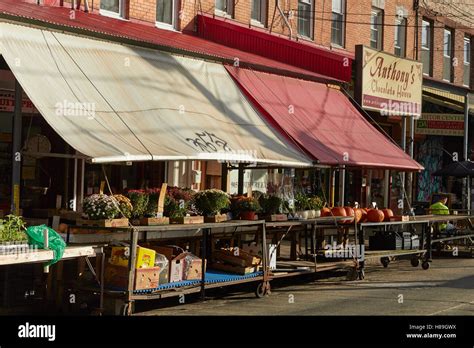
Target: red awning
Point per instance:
(322, 121)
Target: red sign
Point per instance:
(7, 103)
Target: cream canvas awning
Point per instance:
(115, 102)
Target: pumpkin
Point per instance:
(349, 212)
(325, 211)
(338, 211)
(388, 213)
(375, 215)
(359, 214)
(364, 215)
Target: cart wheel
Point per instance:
(425, 265)
(415, 262)
(352, 274)
(262, 290)
(362, 274)
(385, 261)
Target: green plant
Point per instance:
(302, 202)
(139, 200)
(100, 206)
(124, 204)
(12, 228)
(270, 204)
(246, 204)
(211, 202)
(316, 203)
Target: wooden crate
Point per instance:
(233, 269)
(216, 218)
(154, 221)
(188, 220)
(103, 223)
(242, 259)
(276, 217)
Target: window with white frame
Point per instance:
(165, 14)
(376, 28)
(467, 61)
(448, 55)
(112, 8)
(305, 11)
(259, 11)
(400, 36)
(426, 44)
(224, 8)
(337, 22)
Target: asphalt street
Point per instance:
(445, 289)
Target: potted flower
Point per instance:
(139, 201)
(271, 207)
(211, 204)
(102, 210)
(302, 206)
(315, 205)
(178, 206)
(124, 205)
(246, 208)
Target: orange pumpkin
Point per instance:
(349, 212)
(359, 214)
(388, 213)
(338, 211)
(325, 211)
(375, 215)
(364, 215)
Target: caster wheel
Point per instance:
(425, 265)
(361, 274)
(385, 261)
(262, 290)
(352, 274)
(415, 262)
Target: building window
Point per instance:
(426, 44)
(400, 36)
(448, 55)
(305, 10)
(165, 14)
(467, 61)
(112, 8)
(224, 8)
(376, 28)
(337, 23)
(259, 11)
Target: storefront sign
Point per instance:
(440, 124)
(7, 103)
(387, 83)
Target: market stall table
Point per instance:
(210, 278)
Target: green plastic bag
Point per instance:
(55, 242)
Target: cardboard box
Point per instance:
(177, 269)
(256, 249)
(121, 255)
(233, 269)
(162, 262)
(192, 267)
(237, 257)
(117, 277)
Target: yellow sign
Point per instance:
(389, 84)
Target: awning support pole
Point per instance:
(411, 147)
(16, 158)
(342, 184)
(466, 149)
(240, 184)
(224, 176)
(404, 147)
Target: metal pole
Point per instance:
(404, 147)
(411, 152)
(16, 159)
(225, 172)
(74, 190)
(466, 149)
(342, 184)
(240, 184)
